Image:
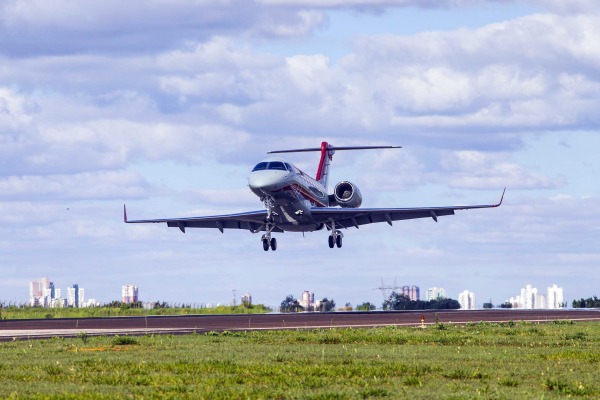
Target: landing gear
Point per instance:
(335, 239)
(267, 240)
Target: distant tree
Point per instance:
(247, 301)
(398, 301)
(506, 304)
(290, 304)
(592, 302)
(488, 304)
(327, 305)
(366, 306)
(158, 304)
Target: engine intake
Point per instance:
(347, 195)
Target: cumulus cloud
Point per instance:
(93, 185)
(58, 27)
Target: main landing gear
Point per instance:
(269, 243)
(335, 239)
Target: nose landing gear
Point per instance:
(267, 240)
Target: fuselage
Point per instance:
(292, 192)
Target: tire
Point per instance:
(338, 241)
(331, 242)
(265, 245)
(273, 244)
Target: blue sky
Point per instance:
(166, 106)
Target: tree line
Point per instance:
(591, 302)
(396, 301)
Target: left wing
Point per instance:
(252, 221)
(353, 217)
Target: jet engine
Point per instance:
(347, 195)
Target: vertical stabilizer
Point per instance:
(326, 157)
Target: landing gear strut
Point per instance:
(335, 239)
(269, 242)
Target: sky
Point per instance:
(167, 105)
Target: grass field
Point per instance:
(92, 312)
(490, 361)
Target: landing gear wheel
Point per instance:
(338, 241)
(331, 241)
(273, 244)
(265, 244)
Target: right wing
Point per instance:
(353, 217)
(254, 221)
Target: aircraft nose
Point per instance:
(266, 180)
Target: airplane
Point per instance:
(296, 202)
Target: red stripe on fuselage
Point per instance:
(306, 194)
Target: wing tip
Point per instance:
(501, 198)
(124, 213)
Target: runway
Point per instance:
(71, 327)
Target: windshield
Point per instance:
(275, 165)
(260, 166)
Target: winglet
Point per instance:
(501, 198)
(124, 214)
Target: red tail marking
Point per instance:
(324, 147)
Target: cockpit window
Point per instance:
(260, 166)
(277, 165)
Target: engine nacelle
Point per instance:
(347, 195)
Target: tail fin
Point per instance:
(327, 152)
(326, 157)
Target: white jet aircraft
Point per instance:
(296, 202)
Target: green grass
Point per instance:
(38, 312)
(490, 361)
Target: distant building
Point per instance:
(41, 293)
(307, 300)
(75, 296)
(412, 292)
(555, 297)
(466, 300)
(531, 299)
(129, 294)
(435, 293)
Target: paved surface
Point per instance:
(69, 327)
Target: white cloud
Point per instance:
(92, 185)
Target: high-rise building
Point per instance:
(435, 293)
(40, 292)
(555, 297)
(75, 296)
(528, 297)
(307, 300)
(412, 292)
(129, 294)
(467, 300)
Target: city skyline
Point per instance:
(169, 114)
(43, 293)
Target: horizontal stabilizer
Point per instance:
(334, 148)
